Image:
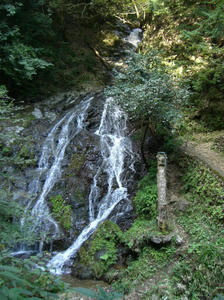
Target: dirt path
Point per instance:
(203, 152)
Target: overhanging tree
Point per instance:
(148, 93)
(24, 27)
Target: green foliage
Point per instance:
(21, 280)
(11, 213)
(9, 156)
(101, 252)
(140, 234)
(9, 231)
(219, 297)
(3, 92)
(25, 153)
(107, 7)
(145, 201)
(61, 211)
(100, 295)
(190, 37)
(23, 27)
(145, 266)
(77, 161)
(200, 272)
(146, 91)
(208, 188)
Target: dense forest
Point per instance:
(171, 89)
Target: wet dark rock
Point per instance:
(83, 272)
(78, 167)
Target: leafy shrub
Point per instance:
(145, 201)
(20, 279)
(146, 91)
(61, 211)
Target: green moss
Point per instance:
(61, 211)
(149, 262)
(6, 151)
(25, 153)
(141, 232)
(77, 161)
(102, 252)
(110, 39)
(28, 121)
(79, 195)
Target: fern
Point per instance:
(20, 281)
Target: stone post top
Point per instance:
(161, 158)
(159, 154)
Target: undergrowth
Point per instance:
(145, 201)
(101, 252)
(197, 272)
(207, 187)
(21, 279)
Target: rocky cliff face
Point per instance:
(79, 165)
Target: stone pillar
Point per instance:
(162, 190)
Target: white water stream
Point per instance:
(134, 37)
(53, 151)
(115, 146)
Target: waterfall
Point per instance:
(115, 148)
(116, 167)
(49, 165)
(134, 37)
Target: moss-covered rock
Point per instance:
(77, 161)
(100, 253)
(61, 211)
(6, 151)
(26, 153)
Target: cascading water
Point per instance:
(115, 148)
(116, 158)
(53, 151)
(134, 37)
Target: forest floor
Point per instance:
(176, 202)
(200, 147)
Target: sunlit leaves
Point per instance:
(146, 91)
